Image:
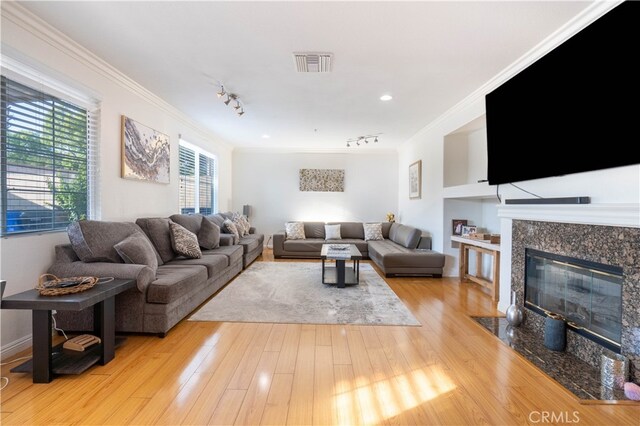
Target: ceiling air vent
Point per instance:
(312, 62)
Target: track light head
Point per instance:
(237, 105)
(228, 100)
(221, 93)
(240, 112)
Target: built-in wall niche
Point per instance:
(465, 161)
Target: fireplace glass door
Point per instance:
(587, 294)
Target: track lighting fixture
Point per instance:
(364, 139)
(238, 107)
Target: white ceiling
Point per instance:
(428, 55)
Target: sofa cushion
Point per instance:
(308, 244)
(386, 226)
(406, 236)
(332, 232)
(352, 230)
(232, 252)
(314, 230)
(209, 235)
(191, 222)
(373, 231)
(184, 242)
(294, 231)
(137, 249)
(218, 219)
(174, 281)
(231, 228)
(94, 240)
(215, 263)
(251, 242)
(157, 229)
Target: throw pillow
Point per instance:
(372, 231)
(184, 242)
(232, 229)
(209, 235)
(332, 232)
(137, 249)
(294, 230)
(241, 223)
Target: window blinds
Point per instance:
(48, 161)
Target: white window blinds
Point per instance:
(48, 160)
(198, 177)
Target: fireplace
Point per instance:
(612, 325)
(587, 294)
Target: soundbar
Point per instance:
(560, 200)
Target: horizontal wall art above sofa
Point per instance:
(322, 180)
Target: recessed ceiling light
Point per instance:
(386, 97)
(266, 136)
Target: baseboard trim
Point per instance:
(15, 347)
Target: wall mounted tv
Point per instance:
(576, 109)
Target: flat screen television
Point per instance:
(574, 110)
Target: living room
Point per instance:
(261, 169)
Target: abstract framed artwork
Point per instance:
(145, 152)
(322, 180)
(415, 180)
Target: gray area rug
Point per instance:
(292, 292)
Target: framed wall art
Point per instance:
(145, 152)
(322, 180)
(415, 180)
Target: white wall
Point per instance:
(24, 258)
(269, 182)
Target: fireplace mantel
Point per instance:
(589, 214)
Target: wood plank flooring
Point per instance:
(448, 371)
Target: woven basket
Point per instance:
(48, 285)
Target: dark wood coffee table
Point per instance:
(341, 275)
(48, 361)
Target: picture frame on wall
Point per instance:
(145, 153)
(456, 226)
(415, 180)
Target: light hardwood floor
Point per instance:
(448, 371)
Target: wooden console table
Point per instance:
(480, 247)
(48, 361)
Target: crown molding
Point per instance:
(23, 18)
(580, 21)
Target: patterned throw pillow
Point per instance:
(232, 229)
(184, 242)
(294, 230)
(373, 231)
(332, 232)
(242, 223)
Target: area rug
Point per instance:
(292, 292)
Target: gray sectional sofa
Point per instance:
(403, 250)
(168, 286)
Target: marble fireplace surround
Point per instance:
(606, 241)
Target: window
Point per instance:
(46, 163)
(198, 190)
